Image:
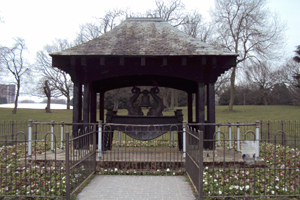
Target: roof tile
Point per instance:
(144, 36)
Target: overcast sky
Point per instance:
(40, 22)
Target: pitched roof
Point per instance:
(146, 37)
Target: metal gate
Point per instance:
(80, 158)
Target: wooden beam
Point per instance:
(183, 61)
(73, 61)
(102, 60)
(121, 61)
(203, 60)
(214, 61)
(83, 61)
(143, 61)
(165, 61)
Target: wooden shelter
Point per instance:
(141, 52)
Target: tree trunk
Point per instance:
(47, 92)
(265, 98)
(232, 80)
(265, 101)
(48, 105)
(14, 111)
(68, 102)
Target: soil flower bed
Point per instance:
(280, 176)
(18, 179)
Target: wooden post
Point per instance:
(211, 116)
(190, 107)
(77, 102)
(200, 107)
(77, 106)
(93, 108)
(101, 113)
(86, 104)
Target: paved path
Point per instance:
(137, 188)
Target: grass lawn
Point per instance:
(239, 114)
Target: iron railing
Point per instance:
(121, 153)
(49, 160)
(46, 167)
(235, 173)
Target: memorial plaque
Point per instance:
(248, 150)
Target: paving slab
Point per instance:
(137, 188)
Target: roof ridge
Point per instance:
(150, 19)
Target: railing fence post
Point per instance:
(282, 137)
(184, 139)
(62, 135)
(94, 146)
(99, 138)
(238, 136)
(119, 138)
(268, 124)
(200, 192)
(219, 136)
(12, 130)
(261, 131)
(173, 138)
(257, 139)
(52, 137)
(30, 138)
(67, 168)
(229, 135)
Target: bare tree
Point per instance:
(196, 27)
(297, 60)
(222, 83)
(58, 81)
(102, 25)
(172, 12)
(261, 76)
(288, 75)
(14, 62)
(247, 28)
